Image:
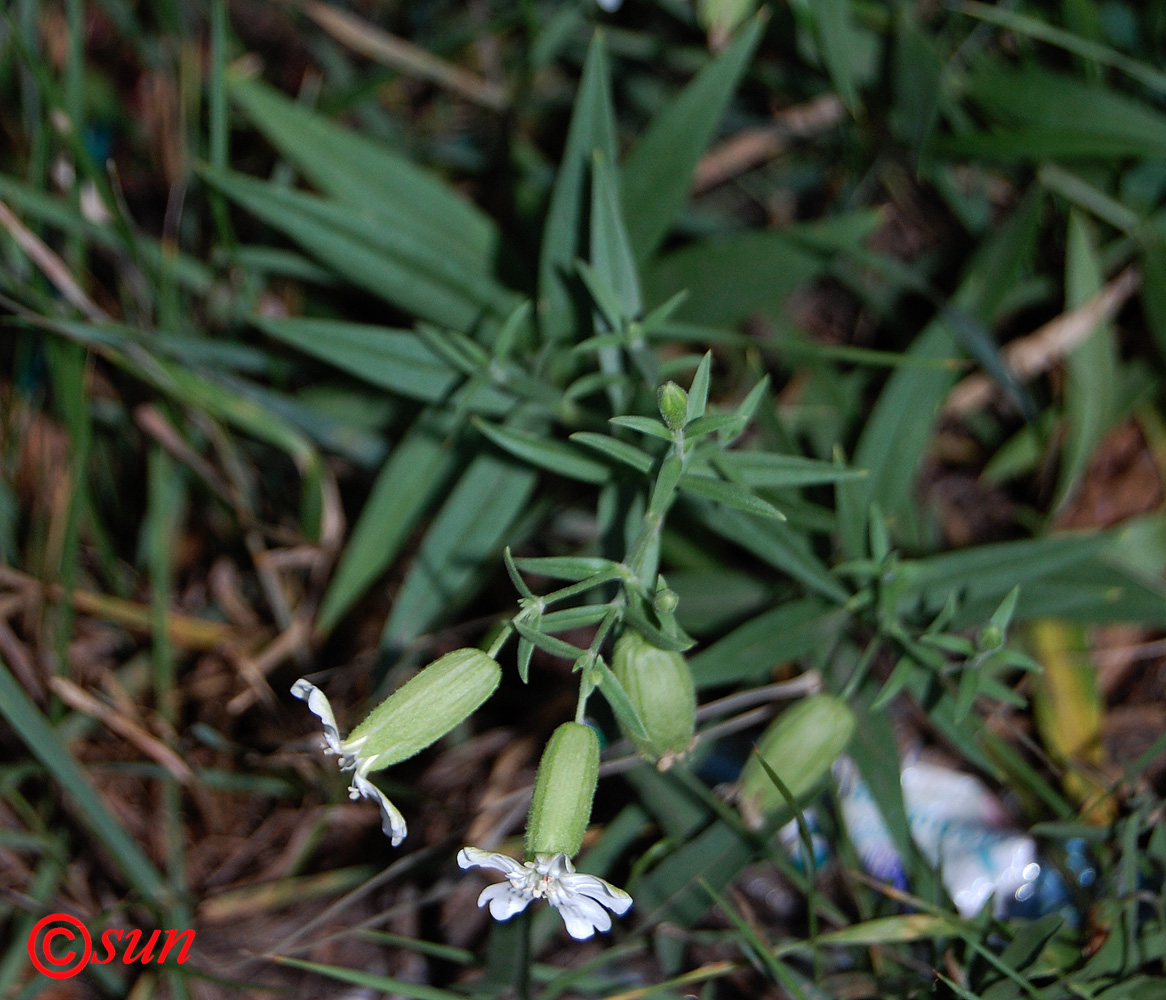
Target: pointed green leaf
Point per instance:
(407, 484)
(657, 173)
(546, 453)
(389, 262)
(369, 176)
(592, 129)
(621, 451)
(729, 494)
(467, 535)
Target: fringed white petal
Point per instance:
(319, 706)
(580, 899)
(475, 857)
(504, 900)
(582, 916)
(392, 822)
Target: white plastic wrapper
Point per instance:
(958, 826)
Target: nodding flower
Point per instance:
(420, 712)
(559, 811)
(580, 899)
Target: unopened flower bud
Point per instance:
(673, 403)
(426, 707)
(561, 806)
(666, 600)
(799, 746)
(659, 685)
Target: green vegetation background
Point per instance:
(311, 310)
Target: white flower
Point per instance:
(392, 822)
(580, 899)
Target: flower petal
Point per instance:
(475, 857)
(319, 706)
(392, 822)
(504, 900)
(597, 889)
(582, 916)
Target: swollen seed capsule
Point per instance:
(659, 685)
(561, 806)
(426, 707)
(800, 746)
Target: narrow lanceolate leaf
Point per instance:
(766, 641)
(534, 634)
(592, 129)
(621, 451)
(547, 453)
(406, 487)
(625, 712)
(657, 173)
(765, 470)
(572, 568)
(1091, 388)
(898, 430)
(396, 360)
(698, 392)
(611, 253)
(468, 534)
(389, 262)
(645, 425)
(729, 494)
(841, 47)
(369, 176)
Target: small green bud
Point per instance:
(673, 403)
(426, 707)
(800, 746)
(561, 806)
(659, 685)
(666, 601)
(990, 638)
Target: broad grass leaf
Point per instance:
(669, 892)
(368, 176)
(711, 599)
(397, 360)
(841, 48)
(1042, 113)
(613, 448)
(45, 744)
(392, 263)
(408, 484)
(730, 495)
(467, 535)
(984, 574)
(1091, 388)
(546, 453)
(657, 171)
(752, 650)
(731, 277)
(768, 470)
(899, 428)
(775, 543)
(592, 130)
(371, 981)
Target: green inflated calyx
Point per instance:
(659, 685)
(800, 746)
(561, 806)
(426, 707)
